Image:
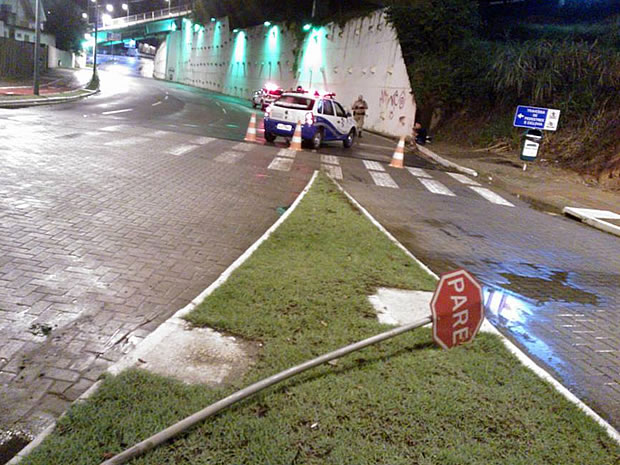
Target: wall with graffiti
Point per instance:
(362, 57)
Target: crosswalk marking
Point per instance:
(126, 141)
(436, 187)
(373, 165)
(463, 179)
(114, 128)
(158, 133)
(491, 196)
(419, 172)
(202, 140)
(333, 171)
(243, 147)
(287, 153)
(330, 159)
(229, 157)
(281, 164)
(181, 150)
(383, 179)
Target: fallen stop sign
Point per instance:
(457, 309)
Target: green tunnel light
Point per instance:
(212, 20)
(307, 27)
(267, 23)
(197, 27)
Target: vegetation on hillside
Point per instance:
(468, 66)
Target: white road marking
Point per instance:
(419, 173)
(436, 187)
(190, 125)
(114, 128)
(330, 159)
(202, 140)
(333, 171)
(463, 179)
(181, 150)
(157, 103)
(383, 179)
(243, 147)
(125, 110)
(224, 110)
(159, 133)
(126, 141)
(491, 196)
(373, 165)
(281, 164)
(229, 157)
(287, 153)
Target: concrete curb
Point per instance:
(488, 327)
(170, 325)
(595, 218)
(17, 103)
(447, 163)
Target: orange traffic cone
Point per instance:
(250, 135)
(399, 154)
(296, 142)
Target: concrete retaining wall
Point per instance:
(362, 57)
(57, 58)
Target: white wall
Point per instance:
(364, 57)
(57, 58)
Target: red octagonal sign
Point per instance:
(457, 309)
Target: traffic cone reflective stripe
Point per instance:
(296, 142)
(250, 135)
(399, 154)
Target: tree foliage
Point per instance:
(64, 20)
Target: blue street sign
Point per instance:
(536, 118)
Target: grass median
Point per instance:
(405, 401)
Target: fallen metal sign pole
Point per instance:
(456, 313)
(212, 409)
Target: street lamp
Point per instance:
(125, 7)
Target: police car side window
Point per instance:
(319, 107)
(339, 110)
(328, 109)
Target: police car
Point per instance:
(322, 118)
(266, 96)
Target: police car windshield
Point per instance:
(295, 101)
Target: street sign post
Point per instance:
(457, 309)
(536, 118)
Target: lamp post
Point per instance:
(95, 44)
(169, 1)
(37, 46)
(125, 7)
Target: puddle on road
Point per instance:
(553, 287)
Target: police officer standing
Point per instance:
(359, 113)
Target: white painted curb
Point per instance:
(175, 322)
(11, 103)
(488, 327)
(447, 163)
(594, 218)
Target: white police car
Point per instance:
(322, 118)
(266, 96)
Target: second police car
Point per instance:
(322, 118)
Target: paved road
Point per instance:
(116, 212)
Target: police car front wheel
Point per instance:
(348, 141)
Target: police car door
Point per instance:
(341, 116)
(329, 120)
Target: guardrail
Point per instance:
(131, 20)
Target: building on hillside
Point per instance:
(18, 22)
